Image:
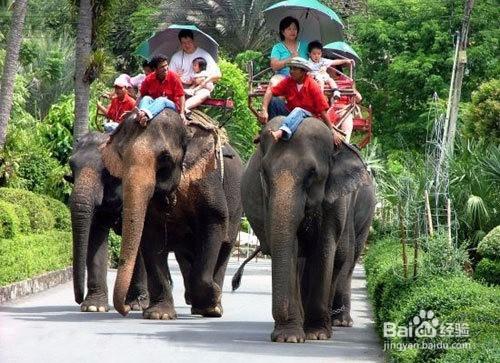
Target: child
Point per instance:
(318, 64)
(199, 78)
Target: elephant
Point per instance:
(96, 205)
(310, 205)
(178, 196)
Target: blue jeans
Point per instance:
(153, 107)
(292, 120)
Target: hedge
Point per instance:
(490, 245)
(26, 256)
(488, 271)
(453, 297)
(9, 222)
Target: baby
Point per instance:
(318, 64)
(199, 78)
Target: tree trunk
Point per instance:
(10, 65)
(82, 85)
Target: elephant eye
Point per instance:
(309, 179)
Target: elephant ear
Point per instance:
(348, 172)
(112, 150)
(200, 156)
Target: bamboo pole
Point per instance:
(429, 214)
(403, 241)
(415, 246)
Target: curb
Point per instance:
(35, 284)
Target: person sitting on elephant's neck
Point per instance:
(121, 102)
(303, 99)
(160, 90)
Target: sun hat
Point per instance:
(123, 80)
(299, 62)
(136, 81)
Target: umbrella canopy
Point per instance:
(317, 21)
(166, 42)
(334, 49)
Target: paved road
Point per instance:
(48, 327)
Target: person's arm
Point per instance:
(182, 106)
(263, 115)
(101, 109)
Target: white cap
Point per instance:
(123, 80)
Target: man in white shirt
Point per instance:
(182, 64)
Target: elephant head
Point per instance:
(93, 188)
(300, 179)
(156, 161)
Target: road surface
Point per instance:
(48, 327)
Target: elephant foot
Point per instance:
(288, 335)
(139, 302)
(187, 297)
(95, 303)
(160, 311)
(318, 333)
(210, 312)
(342, 318)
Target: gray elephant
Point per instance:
(311, 207)
(180, 197)
(96, 205)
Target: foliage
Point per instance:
(242, 125)
(453, 297)
(488, 271)
(407, 53)
(236, 25)
(441, 257)
(474, 187)
(114, 246)
(259, 61)
(490, 244)
(245, 225)
(9, 223)
(41, 219)
(60, 212)
(482, 117)
(26, 256)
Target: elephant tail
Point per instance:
(236, 281)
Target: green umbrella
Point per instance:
(167, 43)
(317, 21)
(333, 50)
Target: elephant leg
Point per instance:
(341, 287)
(97, 267)
(137, 296)
(318, 277)
(185, 265)
(206, 293)
(155, 254)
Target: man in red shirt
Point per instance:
(120, 103)
(303, 99)
(159, 90)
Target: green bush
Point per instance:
(452, 296)
(9, 223)
(41, 219)
(490, 245)
(26, 256)
(114, 246)
(242, 126)
(488, 271)
(60, 212)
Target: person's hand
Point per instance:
(263, 117)
(337, 137)
(184, 119)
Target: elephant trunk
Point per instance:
(138, 188)
(87, 193)
(285, 211)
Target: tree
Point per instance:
(82, 59)
(237, 25)
(93, 24)
(10, 65)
